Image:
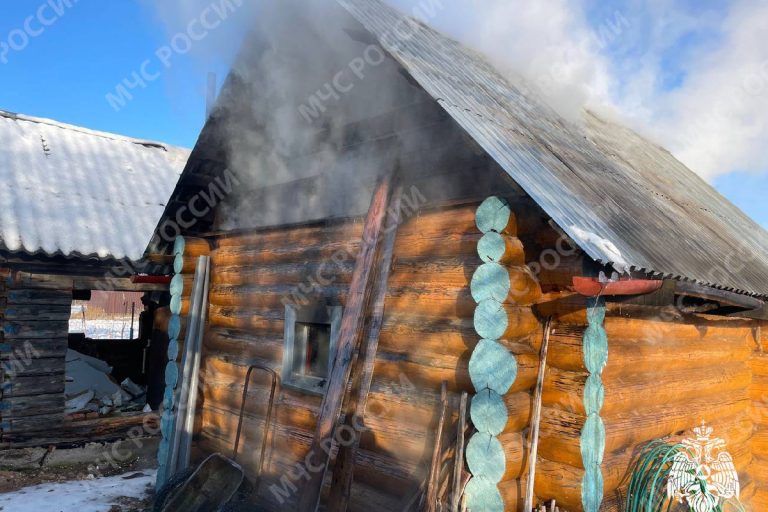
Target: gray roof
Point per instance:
(624, 200)
(73, 192)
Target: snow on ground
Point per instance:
(115, 329)
(96, 495)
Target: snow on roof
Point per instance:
(75, 192)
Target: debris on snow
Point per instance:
(90, 495)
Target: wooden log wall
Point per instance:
(34, 324)
(759, 415)
(253, 276)
(665, 374)
(186, 252)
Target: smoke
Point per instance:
(693, 77)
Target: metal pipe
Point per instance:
(182, 388)
(185, 444)
(275, 381)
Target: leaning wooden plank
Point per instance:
(458, 468)
(536, 420)
(434, 472)
(349, 335)
(362, 373)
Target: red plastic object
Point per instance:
(592, 287)
(148, 279)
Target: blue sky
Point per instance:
(66, 72)
(655, 69)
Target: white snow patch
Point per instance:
(610, 251)
(96, 495)
(105, 329)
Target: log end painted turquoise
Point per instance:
(490, 281)
(593, 441)
(174, 326)
(492, 366)
(177, 285)
(485, 457)
(178, 263)
(490, 320)
(178, 245)
(173, 349)
(592, 489)
(594, 395)
(175, 304)
(491, 247)
(482, 495)
(488, 412)
(493, 215)
(171, 374)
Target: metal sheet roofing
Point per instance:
(69, 191)
(624, 200)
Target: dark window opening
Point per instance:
(310, 341)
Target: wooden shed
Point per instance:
(397, 224)
(77, 206)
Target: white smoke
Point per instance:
(714, 120)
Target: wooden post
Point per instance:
(536, 418)
(352, 321)
(434, 471)
(458, 467)
(362, 373)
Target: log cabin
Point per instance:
(76, 204)
(438, 265)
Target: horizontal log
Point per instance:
(451, 271)
(191, 247)
(503, 249)
(416, 246)
(274, 296)
(503, 321)
(626, 392)
(17, 429)
(759, 363)
(513, 493)
(35, 330)
(561, 430)
(257, 321)
(34, 349)
(556, 481)
(219, 341)
(292, 236)
(306, 274)
(431, 371)
(38, 281)
(21, 297)
(519, 406)
(512, 285)
(35, 385)
(679, 349)
(243, 256)
(21, 407)
(31, 366)
(25, 313)
(430, 301)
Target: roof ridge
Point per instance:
(88, 131)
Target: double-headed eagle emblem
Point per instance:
(703, 475)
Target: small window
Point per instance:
(310, 345)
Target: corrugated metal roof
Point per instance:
(70, 191)
(623, 199)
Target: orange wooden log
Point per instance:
(191, 247)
